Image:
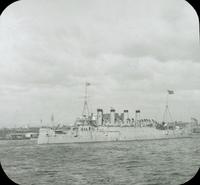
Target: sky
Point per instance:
(130, 51)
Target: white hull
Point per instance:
(103, 134)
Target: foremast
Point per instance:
(85, 112)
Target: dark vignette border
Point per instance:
(196, 5)
(4, 179)
(4, 4)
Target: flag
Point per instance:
(194, 119)
(170, 91)
(87, 83)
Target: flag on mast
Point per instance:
(170, 91)
(87, 83)
(194, 119)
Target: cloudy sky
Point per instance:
(130, 51)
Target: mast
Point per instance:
(167, 114)
(85, 112)
(52, 120)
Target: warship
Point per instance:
(112, 127)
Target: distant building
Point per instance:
(16, 136)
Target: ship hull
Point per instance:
(109, 134)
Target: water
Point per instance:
(172, 161)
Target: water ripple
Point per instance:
(153, 162)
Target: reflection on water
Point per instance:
(172, 161)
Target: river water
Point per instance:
(153, 162)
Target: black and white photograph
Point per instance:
(99, 92)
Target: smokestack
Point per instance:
(125, 116)
(112, 116)
(99, 116)
(137, 117)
